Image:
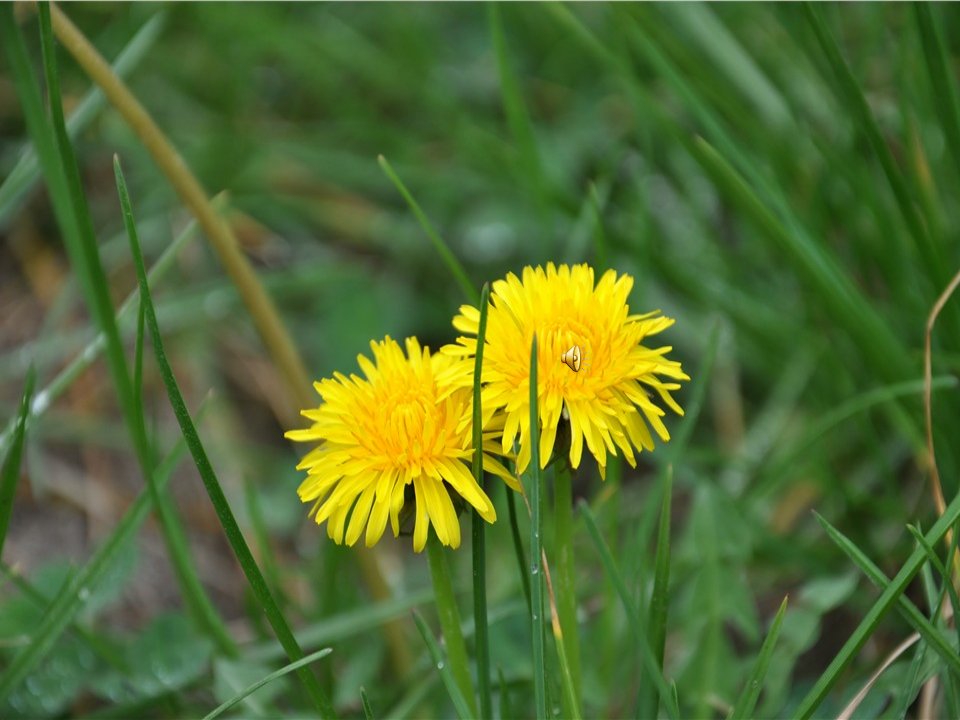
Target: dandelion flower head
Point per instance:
(402, 433)
(610, 400)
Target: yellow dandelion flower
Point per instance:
(402, 434)
(592, 365)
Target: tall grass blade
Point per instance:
(659, 601)
(449, 615)
(536, 546)
(634, 617)
(856, 103)
(446, 674)
(10, 471)
(944, 89)
(891, 595)
(908, 610)
(482, 639)
(250, 689)
(747, 702)
(210, 482)
(27, 171)
(449, 259)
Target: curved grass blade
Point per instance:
(453, 688)
(908, 610)
(635, 618)
(250, 689)
(482, 638)
(747, 702)
(10, 472)
(536, 546)
(449, 259)
(210, 482)
(892, 594)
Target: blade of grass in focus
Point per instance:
(212, 485)
(446, 674)
(536, 546)
(482, 639)
(747, 702)
(10, 470)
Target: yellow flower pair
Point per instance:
(403, 436)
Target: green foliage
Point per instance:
(781, 179)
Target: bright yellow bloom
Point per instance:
(402, 434)
(607, 399)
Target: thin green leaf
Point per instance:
(482, 639)
(365, 701)
(892, 594)
(944, 89)
(449, 259)
(210, 482)
(10, 472)
(250, 689)
(566, 595)
(449, 615)
(945, 577)
(634, 617)
(536, 546)
(747, 702)
(453, 688)
(26, 172)
(852, 96)
(659, 600)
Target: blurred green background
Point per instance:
(710, 151)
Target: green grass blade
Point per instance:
(210, 482)
(944, 575)
(342, 626)
(482, 639)
(747, 702)
(365, 701)
(71, 599)
(446, 674)
(891, 595)
(26, 172)
(659, 601)
(450, 624)
(86, 357)
(250, 689)
(566, 594)
(518, 118)
(536, 545)
(908, 610)
(635, 618)
(856, 103)
(10, 471)
(449, 259)
(518, 546)
(944, 90)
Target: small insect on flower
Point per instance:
(403, 434)
(607, 397)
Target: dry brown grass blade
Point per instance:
(928, 398)
(852, 706)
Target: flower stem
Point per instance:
(450, 619)
(566, 577)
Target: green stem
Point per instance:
(536, 545)
(518, 545)
(450, 619)
(481, 640)
(566, 576)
